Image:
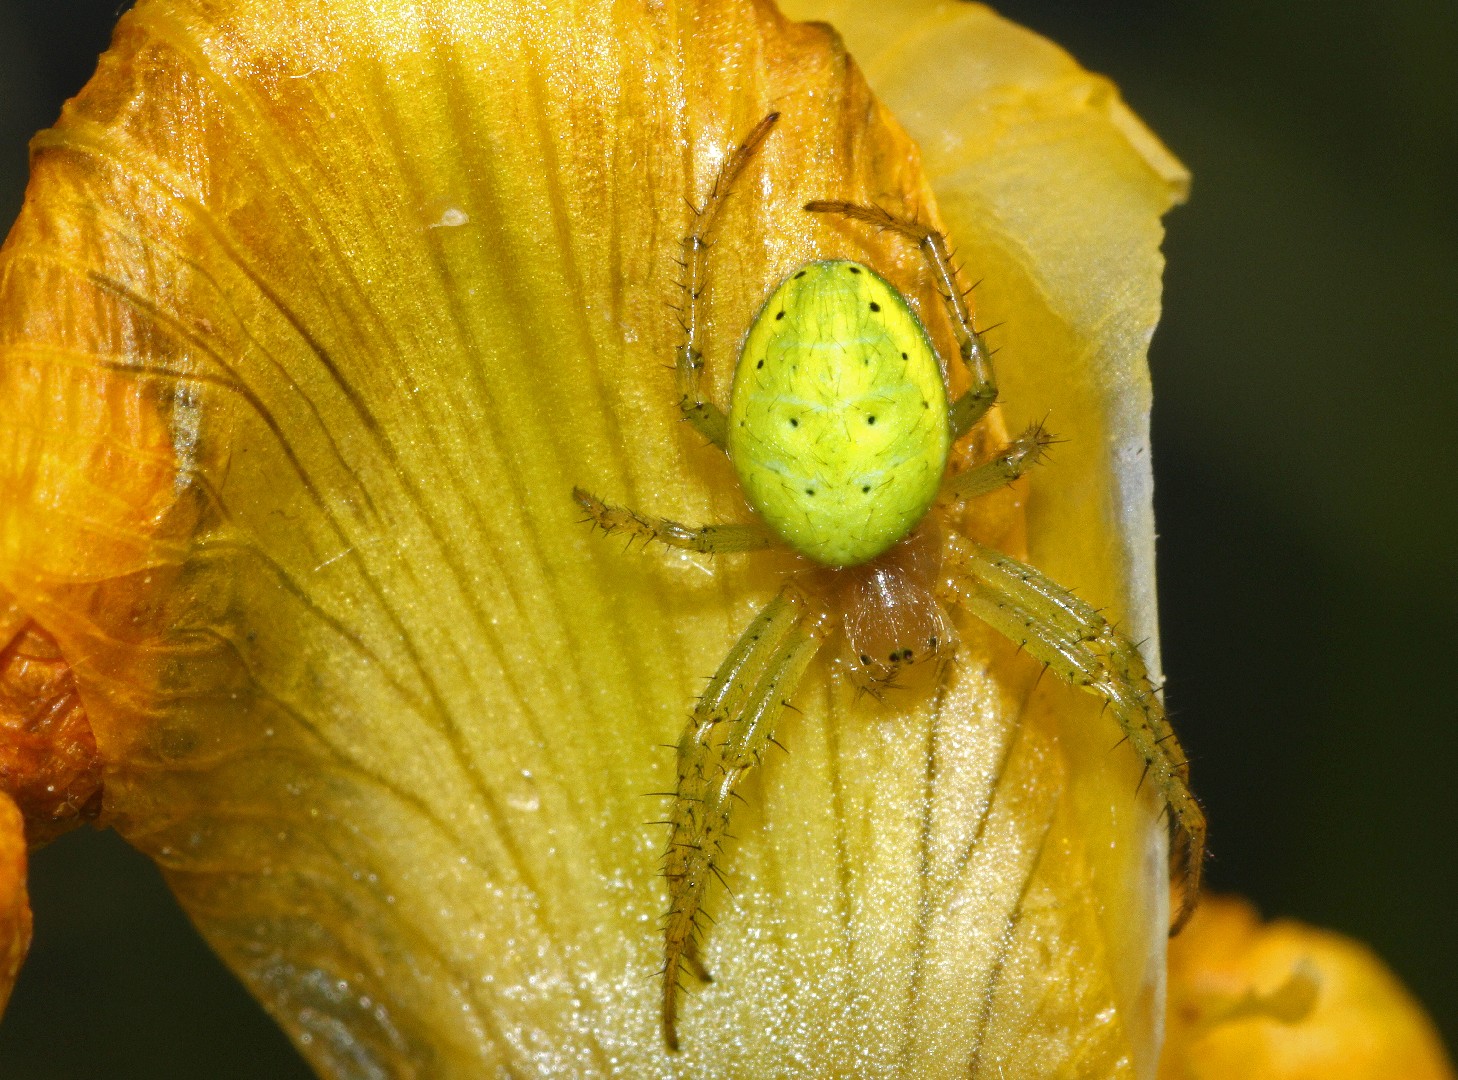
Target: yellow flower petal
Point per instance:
(314, 317)
(1070, 262)
(1286, 1001)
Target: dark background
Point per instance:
(1306, 457)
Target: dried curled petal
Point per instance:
(314, 317)
(14, 904)
(1285, 1001)
(48, 761)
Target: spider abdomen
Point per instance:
(838, 427)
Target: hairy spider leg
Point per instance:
(972, 405)
(1007, 465)
(1084, 649)
(730, 727)
(706, 539)
(707, 418)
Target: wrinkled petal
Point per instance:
(314, 317)
(48, 760)
(1285, 1001)
(14, 903)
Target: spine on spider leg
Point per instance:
(613, 519)
(688, 355)
(1126, 685)
(1010, 463)
(688, 862)
(729, 731)
(972, 405)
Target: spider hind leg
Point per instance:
(1081, 647)
(726, 736)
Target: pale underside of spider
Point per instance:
(843, 466)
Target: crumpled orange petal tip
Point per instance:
(316, 314)
(48, 760)
(1250, 1000)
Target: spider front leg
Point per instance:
(1083, 648)
(972, 405)
(731, 725)
(706, 417)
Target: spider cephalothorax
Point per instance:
(890, 612)
(840, 430)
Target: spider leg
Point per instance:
(726, 736)
(1010, 463)
(1082, 648)
(972, 405)
(706, 417)
(709, 539)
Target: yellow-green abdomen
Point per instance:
(838, 426)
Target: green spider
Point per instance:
(841, 432)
